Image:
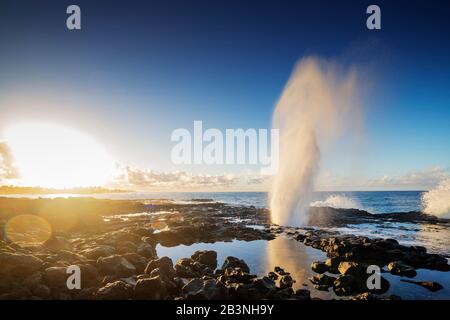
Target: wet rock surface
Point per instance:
(351, 256)
(119, 261)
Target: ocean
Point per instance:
(371, 201)
(262, 256)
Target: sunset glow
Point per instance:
(49, 155)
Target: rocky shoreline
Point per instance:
(119, 260)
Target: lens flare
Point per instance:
(28, 229)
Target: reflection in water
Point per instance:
(435, 237)
(295, 258)
(262, 256)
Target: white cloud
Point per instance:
(7, 169)
(423, 179)
(147, 179)
(416, 180)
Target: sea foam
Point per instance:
(338, 202)
(437, 200)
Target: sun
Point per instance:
(56, 156)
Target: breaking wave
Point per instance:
(337, 202)
(437, 200)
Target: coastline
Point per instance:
(126, 237)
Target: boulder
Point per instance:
(164, 263)
(303, 294)
(86, 294)
(17, 264)
(146, 250)
(345, 285)
(429, 285)
(232, 262)
(280, 271)
(352, 268)
(89, 276)
(286, 282)
(56, 277)
(207, 257)
(116, 265)
(209, 289)
(117, 290)
(264, 285)
(138, 261)
(42, 291)
(183, 268)
(57, 243)
(333, 265)
(282, 294)
(401, 269)
(98, 251)
(322, 280)
(319, 267)
(150, 289)
(33, 280)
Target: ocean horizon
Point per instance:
(371, 201)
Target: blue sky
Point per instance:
(140, 69)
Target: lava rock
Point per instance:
(98, 251)
(265, 285)
(429, 285)
(116, 265)
(303, 294)
(232, 262)
(286, 282)
(117, 290)
(333, 265)
(319, 267)
(210, 289)
(150, 289)
(56, 276)
(19, 265)
(146, 250)
(164, 263)
(352, 268)
(401, 269)
(322, 280)
(208, 258)
(345, 285)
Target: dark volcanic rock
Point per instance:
(164, 263)
(286, 282)
(232, 262)
(209, 289)
(430, 285)
(264, 285)
(98, 251)
(150, 289)
(333, 265)
(352, 268)
(117, 290)
(208, 258)
(56, 276)
(400, 269)
(319, 267)
(116, 265)
(322, 280)
(362, 250)
(345, 285)
(303, 294)
(17, 264)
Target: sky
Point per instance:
(138, 70)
